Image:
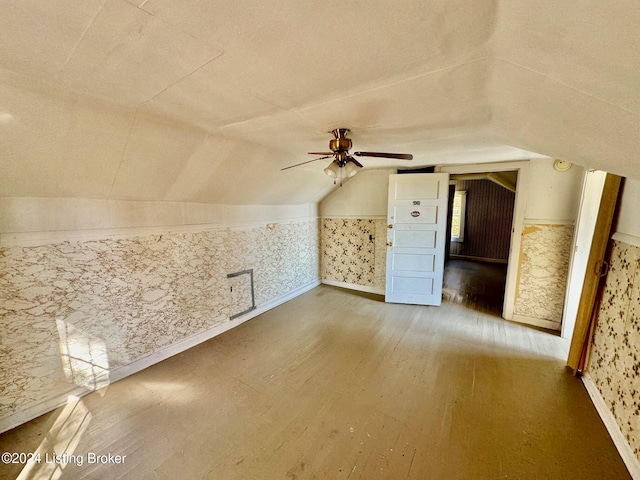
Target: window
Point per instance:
(457, 220)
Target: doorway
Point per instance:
(518, 171)
(481, 219)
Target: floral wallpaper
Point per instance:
(349, 256)
(614, 362)
(542, 276)
(353, 251)
(71, 311)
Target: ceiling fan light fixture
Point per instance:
(332, 170)
(351, 169)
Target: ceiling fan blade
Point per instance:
(308, 161)
(399, 156)
(320, 153)
(351, 159)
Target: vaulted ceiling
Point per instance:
(205, 101)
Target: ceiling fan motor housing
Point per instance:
(340, 143)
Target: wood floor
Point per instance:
(339, 385)
(476, 285)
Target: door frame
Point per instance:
(517, 224)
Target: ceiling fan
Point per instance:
(342, 161)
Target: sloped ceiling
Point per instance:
(199, 101)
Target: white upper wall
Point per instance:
(629, 209)
(364, 195)
(553, 196)
(28, 220)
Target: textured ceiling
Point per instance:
(201, 101)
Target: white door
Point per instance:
(416, 235)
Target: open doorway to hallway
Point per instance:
(516, 176)
(481, 219)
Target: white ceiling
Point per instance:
(202, 101)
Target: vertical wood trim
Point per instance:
(601, 235)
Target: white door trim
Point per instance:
(590, 199)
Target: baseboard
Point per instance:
(478, 259)
(538, 322)
(353, 286)
(40, 408)
(624, 449)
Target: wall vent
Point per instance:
(241, 289)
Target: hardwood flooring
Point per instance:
(476, 285)
(339, 385)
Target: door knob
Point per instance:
(389, 244)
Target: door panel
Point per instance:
(403, 261)
(416, 238)
(412, 190)
(407, 238)
(409, 285)
(413, 215)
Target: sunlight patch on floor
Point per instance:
(57, 449)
